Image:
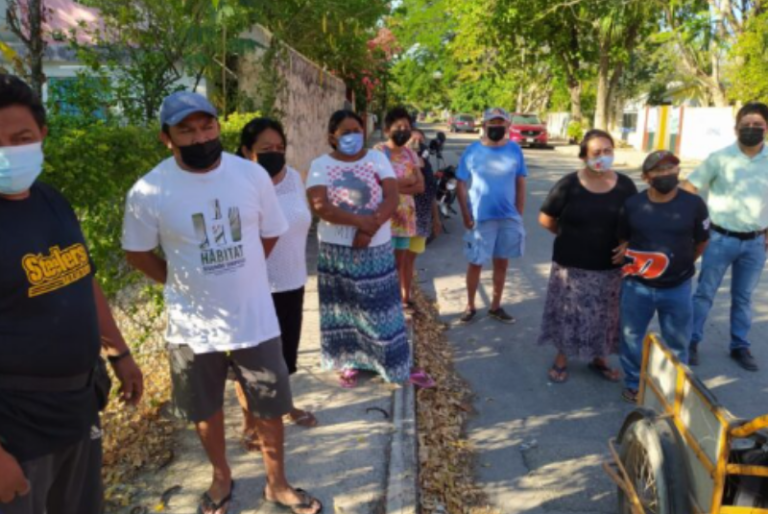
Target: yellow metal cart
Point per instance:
(681, 452)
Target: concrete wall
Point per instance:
(691, 132)
(312, 95)
(706, 130)
(557, 124)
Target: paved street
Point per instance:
(540, 445)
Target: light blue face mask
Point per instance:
(600, 164)
(351, 144)
(19, 167)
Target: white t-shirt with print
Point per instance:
(210, 226)
(287, 264)
(354, 187)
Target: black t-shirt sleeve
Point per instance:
(558, 197)
(701, 226)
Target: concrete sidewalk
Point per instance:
(360, 459)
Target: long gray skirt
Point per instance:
(581, 313)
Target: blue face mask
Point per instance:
(351, 144)
(19, 167)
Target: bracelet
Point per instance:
(114, 359)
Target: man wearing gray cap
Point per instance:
(216, 218)
(493, 212)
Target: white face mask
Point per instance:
(19, 167)
(600, 164)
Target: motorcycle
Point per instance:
(447, 182)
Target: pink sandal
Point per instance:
(420, 378)
(348, 378)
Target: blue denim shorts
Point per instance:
(498, 239)
(401, 243)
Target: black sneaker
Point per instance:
(693, 355)
(743, 358)
(468, 316)
(500, 315)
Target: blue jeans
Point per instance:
(746, 259)
(639, 303)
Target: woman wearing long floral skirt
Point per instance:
(354, 193)
(581, 313)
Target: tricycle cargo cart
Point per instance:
(681, 452)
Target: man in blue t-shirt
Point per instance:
(493, 213)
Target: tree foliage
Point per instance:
(749, 62)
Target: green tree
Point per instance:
(749, 61)
(702, 32)
(25, 20)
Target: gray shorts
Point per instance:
(199, 380)
(67, 481)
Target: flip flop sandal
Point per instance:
(420, 378)
(629, 395)
(306, 502)
(349, 378)
(307, 419)
(602, 371)
(208, 506)
(562, 373)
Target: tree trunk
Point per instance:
(36, 46)
(574, 88)
(603, 89)
(716, 87)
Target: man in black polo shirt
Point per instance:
(53, 316)
(664, 230)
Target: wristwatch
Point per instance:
(114, 359)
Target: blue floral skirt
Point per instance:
(362, 324)
(581, 313)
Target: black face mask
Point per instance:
(666, 183)
(401, 137)
(751, 136)
(496, 133)
(273, 162)
(201, 156)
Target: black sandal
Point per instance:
(307, 501)
(603, 371)
(208, 506)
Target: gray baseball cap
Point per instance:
(495, 113)
(181, 104)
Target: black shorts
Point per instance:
(67, 481)
(199, 380)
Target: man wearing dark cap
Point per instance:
(663, 230)
(216, 218)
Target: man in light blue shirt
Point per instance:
(737, 180)
(493, 212)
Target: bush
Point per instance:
(575, 131)
(95, 166)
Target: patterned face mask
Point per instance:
(600, 164)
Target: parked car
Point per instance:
(462, 123)
(527, 129)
